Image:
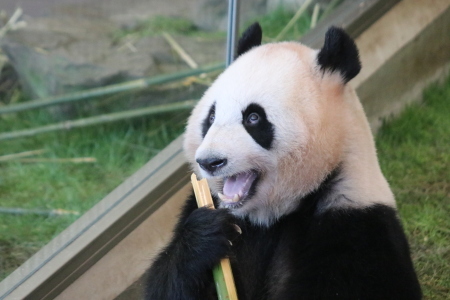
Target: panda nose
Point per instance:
(212, 164)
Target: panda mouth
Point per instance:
(237, 188)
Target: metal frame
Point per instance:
(232, 30)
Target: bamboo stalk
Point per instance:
(223, 276)
(294, 19)
(111, 89)
(102, 119)
(76, 160)
(48, 213)
(13, 23)
(332, 5)
(13, 156)
(315, 15)
(180, 51)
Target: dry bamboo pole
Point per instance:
(315, 15)
(180, 51)
(111, 89)
(294, 19)
(223, 276)
(108, 118)
(75, 160)
(14, 156)
(48, 213)
(13, 22)
(332, 5)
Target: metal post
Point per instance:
(232, 30)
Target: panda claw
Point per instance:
(237, 228)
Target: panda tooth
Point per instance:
(236, 198)
(222, 196)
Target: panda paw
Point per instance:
(208, 235)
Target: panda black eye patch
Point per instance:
(255, 122)
(209, 119)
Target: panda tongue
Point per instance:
(238, 184)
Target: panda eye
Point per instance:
(212, 117)
(252, 119)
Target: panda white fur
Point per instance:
(290, 158)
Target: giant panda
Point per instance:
(304, 211)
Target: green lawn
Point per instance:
(414, 152)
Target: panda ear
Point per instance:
(251, 37)
(339, 53)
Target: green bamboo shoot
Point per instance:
(223, 277)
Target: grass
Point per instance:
(414, 152)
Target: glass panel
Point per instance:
(57, 161)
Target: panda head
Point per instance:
(273, 125)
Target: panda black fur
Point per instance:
(283, 130)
